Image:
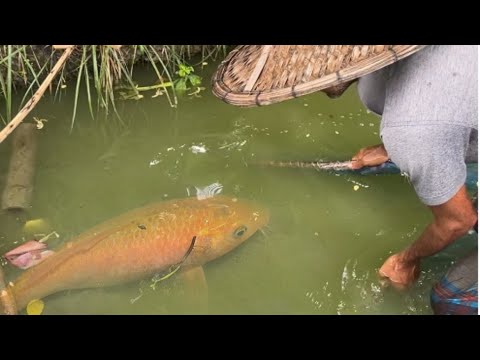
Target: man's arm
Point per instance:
(452, 220)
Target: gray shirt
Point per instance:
(429, 108)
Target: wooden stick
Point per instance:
(36, 97)
(19, 185)
(60, 47)
(63, 47)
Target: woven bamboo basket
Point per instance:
(257, 75)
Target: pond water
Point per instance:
(325, 240)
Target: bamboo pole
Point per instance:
(36, 97)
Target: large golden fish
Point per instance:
(141, 243)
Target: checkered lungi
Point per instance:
(457, 292)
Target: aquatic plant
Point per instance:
(99, 71)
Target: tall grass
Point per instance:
(100, 69)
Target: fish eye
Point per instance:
(240, 231)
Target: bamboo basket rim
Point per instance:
(258, 75)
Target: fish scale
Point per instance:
(119, 250)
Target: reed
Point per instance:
(97, 70)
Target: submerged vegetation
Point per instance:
(104, 72)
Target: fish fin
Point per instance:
(194, 284)
(28, 254)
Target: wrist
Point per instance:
(408, 257)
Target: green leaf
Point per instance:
(195, 80)
(181, 84)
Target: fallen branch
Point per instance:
(36, 97)
(63, 47)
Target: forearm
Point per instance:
(452, 220)
(437, 236)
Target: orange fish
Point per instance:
(141, 243)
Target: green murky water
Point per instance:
(324, 243)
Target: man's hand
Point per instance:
(452, 220)
(400, 271)
(369, 156)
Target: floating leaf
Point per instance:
(356, 187)
(35, 307)
(36, 226)
(195, 80)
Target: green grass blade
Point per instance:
(89, 97)
(8, 96)
(77, 88)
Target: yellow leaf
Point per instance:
(356, 187)
(36, 226)
(35, 307)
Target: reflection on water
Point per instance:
(327, 235)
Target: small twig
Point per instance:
(61, 47)
(37, 96)
(45, 238)
(173, 269)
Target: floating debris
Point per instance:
(35, 307)
(357, 183)
(208, 191)
(198, 149)
(36, 226)
(39, 122)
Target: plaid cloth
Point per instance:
(457, 291)
(447, 299)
